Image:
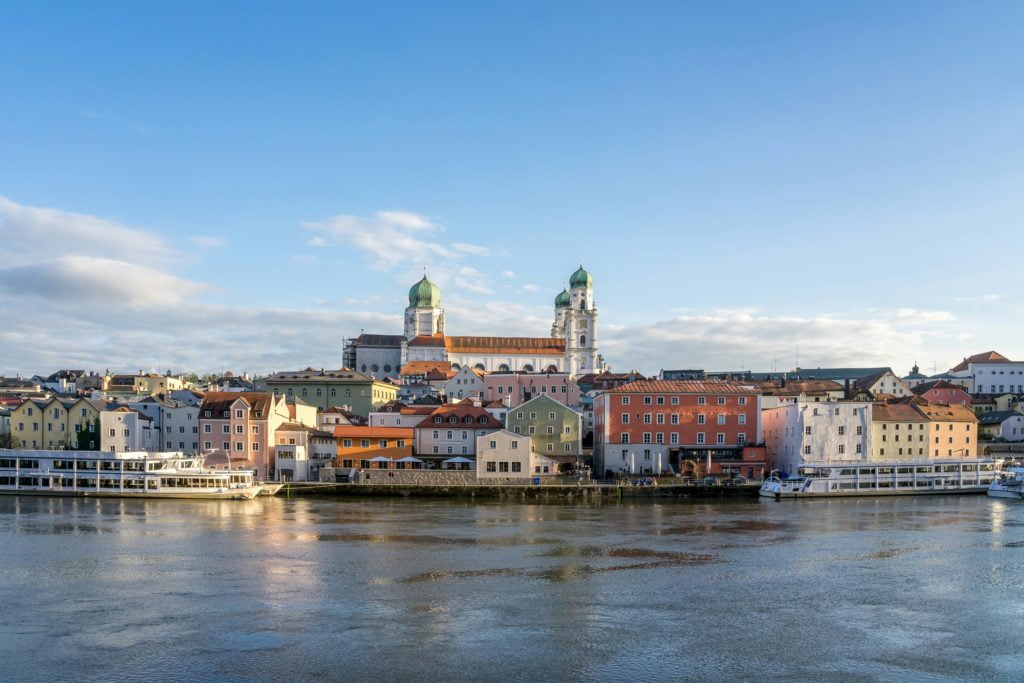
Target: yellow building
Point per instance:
(898, 431)
(153, 383)
(56, 424)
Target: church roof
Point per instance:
(428, 340)
(545, 346)
(581, 278)
(424, 294)
(423, 367)
(380, 340)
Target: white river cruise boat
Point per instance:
(119, 475)
(1009, 484)
(897, 478)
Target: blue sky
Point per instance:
(748, 182)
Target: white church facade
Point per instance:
(571, 347)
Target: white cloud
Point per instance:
(391, 238)
(531, 288)
(472, 280)
(508, 273)
(29, 234)
(208, 241)
(105, 282)
(474, 249)
(987, 298)
(318, 242)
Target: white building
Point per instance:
(1003, 425)
(453, 430)
(992, 373)
(300, 452)
(885, 382)
(467, 383)
(571, 347)
(176, 422)
(125, 430)
(817, 432)
(504, 455)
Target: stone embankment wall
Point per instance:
(439, 478)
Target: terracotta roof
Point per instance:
(940, 412)
(423, 367)
(547, 346)
(418, 410)
(924, 387)
(895, 412)
(219, 401)
(987, 357)
(354, 432)
(428, 340)
(312, 374)
(865, 383)
(461, 411)
(798, 386)
(682, 386)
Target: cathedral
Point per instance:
(571, 348)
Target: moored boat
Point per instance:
(1009, 484)
(894, 478)
(120, 475)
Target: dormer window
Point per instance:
(437, 420)
(453, 420)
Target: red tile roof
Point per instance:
(987, 357)
(481, 418)
(423, 367)
(544, 346)
(219, 401)
(354, 432)
(682, 386)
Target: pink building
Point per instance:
(941, 391)
(243, 424)
(514, 388)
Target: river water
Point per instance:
(924, 588)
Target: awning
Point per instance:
(409, 458)
(457, 459)
(380, 458)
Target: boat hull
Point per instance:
(873, 493)
(1003, 492)
(247, 493)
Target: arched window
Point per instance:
(387, 367)
(479, 366)
(552, 368)
(364, 367)
(527, 368)
(503, 367)
(583, 340)
(374, 367)
(456, 367)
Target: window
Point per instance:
(700, 437)
(493, 444)
(673, 438)
(807, 430)
(742, 400)
(514, 444)
(860, 430)
(701, 400)
(842, 431)
(517, 467)
(625, 400)
(659, 438)
(842, 449)
(255, 446)
(625, 418)
(720, 438)
(382, 443)
(741, 418)
(647, 418)
(624, 437)
(858, 448)
(400, 443)
(721, 418)
(239, 446)
(503, 467)
(491, 466)
(721, 400)
(741, 439)
(701, 418)
(675, 400)
(238, 414)
(674, 418)
(647, 437)
(660, 418)
(364, 443)
(647, 400)
(239, 429)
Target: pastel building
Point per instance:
(807, 430)
(899, 431)
(466, 383)
(323, 389)
(365, 446)
(552, 428)
(453, 430)
(243, 424)
(124, 430)
(1002, 425)
(514, 388)
(941, 391)
(300, 451)
(953, 430)
(503, 455)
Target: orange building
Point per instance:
(358, 446)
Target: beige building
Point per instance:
(953, 430)
(506, 455)
(898, 432)
(54, 424)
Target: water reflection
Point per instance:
(409, 589)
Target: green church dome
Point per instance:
(563, 300)
(581, 278)
(424, 294)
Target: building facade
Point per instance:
(323, 389)
(552, 428)
(655, 426)
(504, 455)
(452, 430)
(817, 431)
